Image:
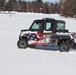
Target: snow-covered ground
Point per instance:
(14, 61)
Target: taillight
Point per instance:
(72, 34)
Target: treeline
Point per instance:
(63, 7)
(68, 8)
(31, 6)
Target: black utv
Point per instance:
(46, 33)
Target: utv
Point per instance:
(46, 33)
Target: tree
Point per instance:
(45, 7)
(69, 8)
(39, 4)
(2, 5)
(11, 5)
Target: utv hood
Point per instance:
(24, 30)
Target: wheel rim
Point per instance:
(63, 47)
(22, 44)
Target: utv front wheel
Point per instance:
(64, 47)
(22, 44)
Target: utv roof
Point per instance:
(60, 21)
(50, 19)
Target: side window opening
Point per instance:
(36, 26)
(60, 26)
(48, 26)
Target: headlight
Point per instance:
(22, 33)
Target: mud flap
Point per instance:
(74, 47)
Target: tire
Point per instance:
(22, 44)
(64, 47)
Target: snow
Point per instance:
(14, 61)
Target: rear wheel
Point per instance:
(64, 47)
(22, 44)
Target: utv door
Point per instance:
(35, 32)
(48, 34)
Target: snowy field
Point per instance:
(14, 61)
